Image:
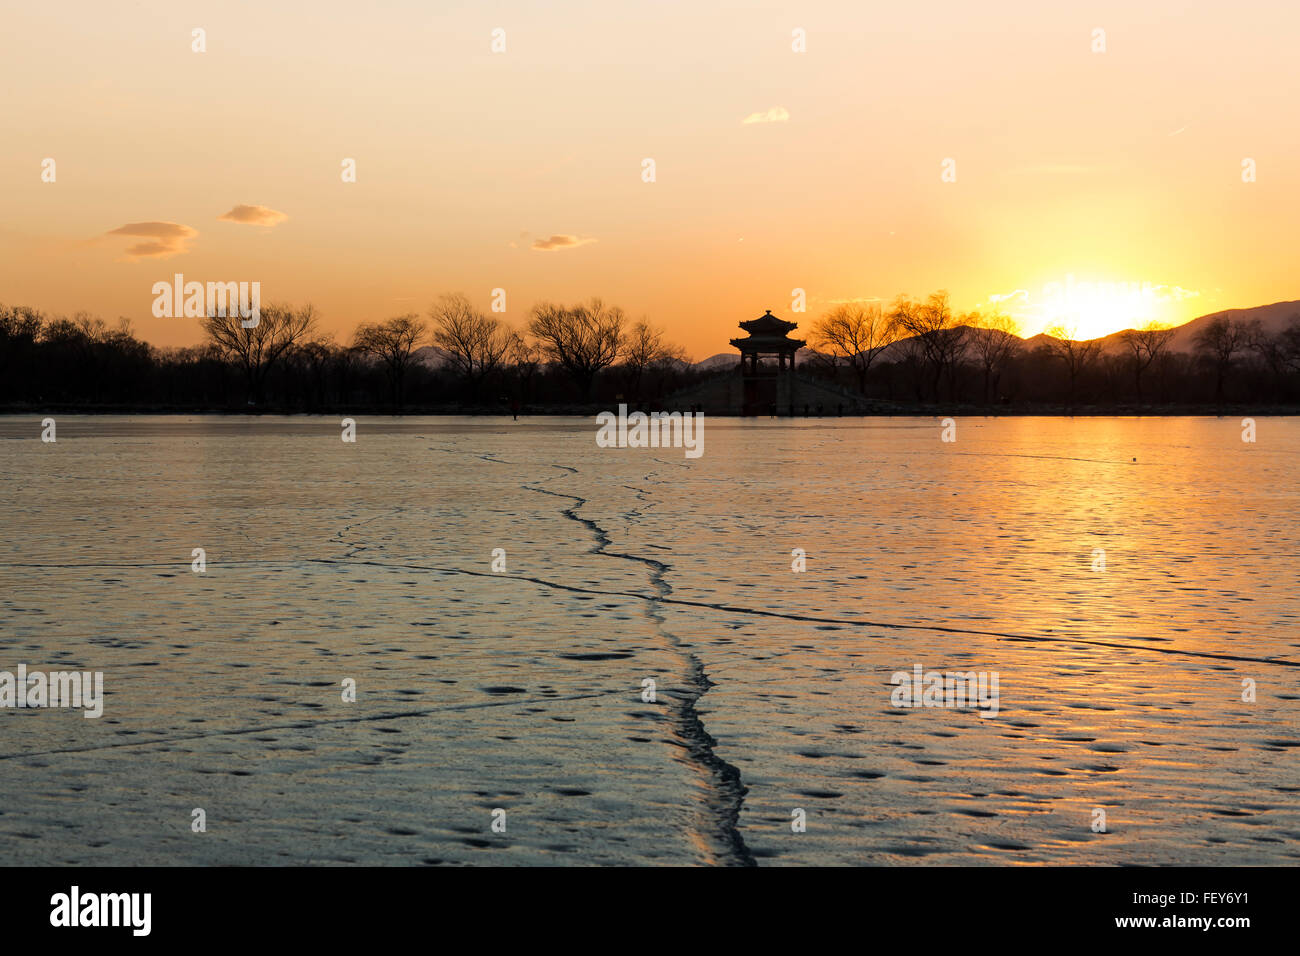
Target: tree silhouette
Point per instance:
(256, 350)
(995, 339)
(856, 333)
(1077, 356)
(394, 343)
(933, 325)
(476, 343)
(645, 347)
(1147, 345)
(582, 339)
(1218, 343)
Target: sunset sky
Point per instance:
(523, 169)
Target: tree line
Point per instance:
(913, 352)
(563, 354)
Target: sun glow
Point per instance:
(1089, 309)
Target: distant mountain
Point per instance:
(729, 360)
(1042, 338)
(721, 360)
(431, 356)
(1273, 318)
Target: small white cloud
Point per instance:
(1175, 292)
(777, 114)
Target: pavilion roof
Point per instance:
(768, 333)
(768, 324)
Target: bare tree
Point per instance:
(20, 321)
(394, 343)
(1147, 344)
(344, 365)
(78, 333)
(1290, 341)
(476, 342)
(932, 323)
(256, 350)
(312, 358)
(856, 333)
(582, 339)
(645, 348)
(1217, 344)
(20, 327)
(911, 356)
(525, 357)
(996, 340)
(1078, 356)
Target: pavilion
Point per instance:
(771, 388)
(766, 389)
(768, 335)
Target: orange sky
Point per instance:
(1072, 167)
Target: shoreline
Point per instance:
(592, 409)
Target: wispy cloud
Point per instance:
(1175, 292)
(253, 216)
(162, 239)
(556, 243)
(1054, 169)
(777, 114)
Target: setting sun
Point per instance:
(1091, 308)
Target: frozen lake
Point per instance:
(1120, 688)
